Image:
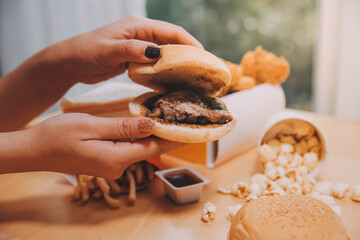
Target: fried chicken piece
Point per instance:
(265, 66)
(236, 72)
(245, 82)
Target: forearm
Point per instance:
(17, 153)
(31, 88)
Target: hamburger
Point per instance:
(184, 105)
(286, 217)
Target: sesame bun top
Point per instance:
(182, 67)
(286, 217)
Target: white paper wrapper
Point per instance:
(253, 107)
(275, 125)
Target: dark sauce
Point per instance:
(182, 180)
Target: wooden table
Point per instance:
(37, 205)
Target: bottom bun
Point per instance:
(286, 217)
(181, 132)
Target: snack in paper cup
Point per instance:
(291, 140)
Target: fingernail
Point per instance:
(145, 126)
(152, 52)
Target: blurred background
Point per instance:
(319, 38)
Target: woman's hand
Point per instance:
(88, 58)
(82, 144)
(104, 53)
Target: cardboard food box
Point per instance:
(253, 107)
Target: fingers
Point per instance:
(109, 159)
(165, 33)
(145, 148)
(133, 51)
(156, 31)
(121, 154)
(120, 128)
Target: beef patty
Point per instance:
(188, 107)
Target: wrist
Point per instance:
(17, 152)
(54, 63)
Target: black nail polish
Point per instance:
(152, 52)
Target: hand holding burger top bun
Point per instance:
(186, 80)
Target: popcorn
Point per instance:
(308, 185)
(337, 210)
(302, 171)
(292, 175)
(310, 160)
(270, 165)
(287, 164)
(272, 186)
(271, 173)
(254, 189)
(286, 148)
(277, 192)
(340, 189)
(267, 153)
(284, 183)
(287, 139)
(325, 199)
(283, 159)
(239, 189)
(316, 150)
(232, 210)
(294, 188)
(324, 188)
(329, 201)
(226, 190)
(261, 180)
(280, 171)
(208, 212)
(297, 160)
(251, 197)
(303, 129)
(355, 193)
(275, 144)
(301, 147)
(313, 142)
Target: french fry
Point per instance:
(84, 192)
(84, 188)
(112, 202)
(132, 186)
(95, 187)
(77, 192)
(150, 171)
(101, 182)
(139, 172)
(114, 187)
(89, 180)
(97, 194)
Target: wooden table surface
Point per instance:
(37, 205)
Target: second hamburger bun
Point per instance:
(186, 133)
(182, 67)
(295, 217)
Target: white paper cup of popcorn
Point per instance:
(290, 140)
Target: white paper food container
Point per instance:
(183, 195)
(253, 108)
(281, 120)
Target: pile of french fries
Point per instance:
(137, 176)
